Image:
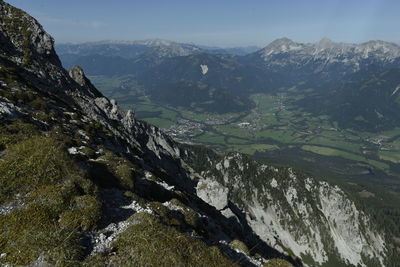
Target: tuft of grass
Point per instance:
(239, 245)
(33, 231)
(57, 200)
(84, 214)
(89, 152)
(15, 132)
(123, 172)
(32, 163)
(151, 243)
(190, 216)
(277, 263)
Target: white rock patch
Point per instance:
(103, 239)
(204, 69)
(395, 90)
(274, 183)
(213, 193)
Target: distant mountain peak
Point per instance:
(325, 43)
(378, 44)
(330, 51)
(385, 50)
(281, 45)
(156, 42)
(281, 41)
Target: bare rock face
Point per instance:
(213, 193)
(77, 74)
(26, 37)
(7, 109)
(290, 210)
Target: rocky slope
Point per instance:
(292, 212)
(82, 182)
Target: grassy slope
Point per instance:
(50, 198)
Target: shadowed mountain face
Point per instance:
(371, 104)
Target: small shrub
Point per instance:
(125, 173)
(119, 167)
(89, 152)
(239, 245)
(38, 103)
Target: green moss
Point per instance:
(26, 33)
(159, 208)
(287, 250)
(239, 245)
(38, 103)
(95, 129)
(151, 243)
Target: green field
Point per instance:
(274, 127)
(393, 156)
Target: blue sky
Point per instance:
(217, 22)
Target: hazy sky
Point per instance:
(217, 22)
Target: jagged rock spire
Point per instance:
(77, 74)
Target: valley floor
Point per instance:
(276, 128)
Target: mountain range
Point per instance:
(334, 71)
(84, 183)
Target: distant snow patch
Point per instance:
(395, 90)
(204, 69)
(274, 183)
